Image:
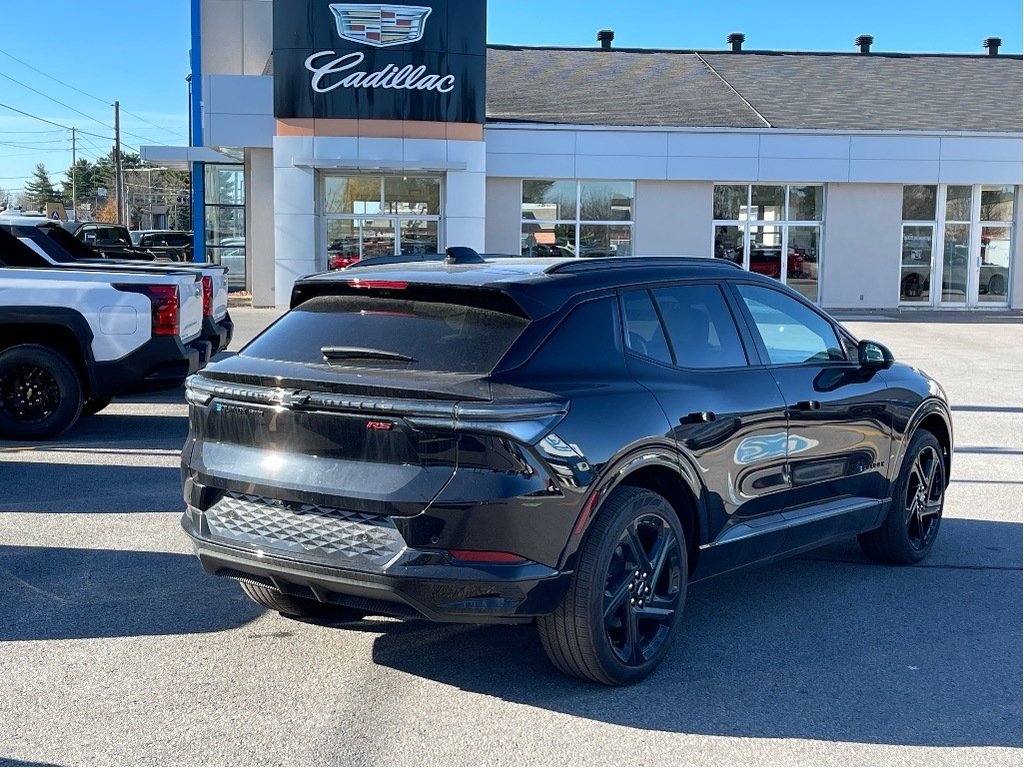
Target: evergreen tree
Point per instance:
(40, 190)
(85, 180)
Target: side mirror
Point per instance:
(874, 356)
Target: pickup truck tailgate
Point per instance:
(190, 292)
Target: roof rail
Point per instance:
(461, 256)
(611, 262)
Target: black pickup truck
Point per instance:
(110, 241)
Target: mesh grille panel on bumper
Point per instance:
(308, 532)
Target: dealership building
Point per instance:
(327, 131)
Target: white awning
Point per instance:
(181, 158)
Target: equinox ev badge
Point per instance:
(380, 25)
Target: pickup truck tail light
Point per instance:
(207, 296)
(165, 306)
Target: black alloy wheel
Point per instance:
(924, 495)
(625, 601)
(40, 393)
(643, 589)
(997, 285)
(909, 531)
(30, 393)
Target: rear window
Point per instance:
(350, 331)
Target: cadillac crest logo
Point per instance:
(380, 25)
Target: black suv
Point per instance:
(566, 441)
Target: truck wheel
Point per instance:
(626, 597)
(293, 607)
(40, 393)
(94, 405)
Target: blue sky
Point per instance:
(136, 51)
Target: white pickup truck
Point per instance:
(53, 245)
(72, 338)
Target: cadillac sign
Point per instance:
(380, 25)
(380, 60)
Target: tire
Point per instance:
(40, 393)
(997, 285)
(909, 531)
(294, 607)
(93, 405)
(912, 285)
(632, 525)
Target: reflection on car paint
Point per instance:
(765, 447)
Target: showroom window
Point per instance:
(577, 218)
(755, 224)
(370, 216)
(225, 221)
(971, 226)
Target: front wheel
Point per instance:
(626, 597)
(912, 525)
(40, 393)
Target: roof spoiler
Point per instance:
(453, 255)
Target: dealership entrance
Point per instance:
(366, 216)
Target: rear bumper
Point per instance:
(424, 584)
(218, 332)
(163, 362)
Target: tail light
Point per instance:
(397, 285)
(207, 296)
(165, 306)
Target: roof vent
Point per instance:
(864, 41)
(736, 39)
(993, 43)
(605, 37)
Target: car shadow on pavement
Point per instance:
(104, 485)
(838, 650)
(58, 593)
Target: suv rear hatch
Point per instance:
(351, 401)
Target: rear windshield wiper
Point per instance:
(362, 353)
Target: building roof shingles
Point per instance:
(790, 90)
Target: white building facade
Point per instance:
(856, 203)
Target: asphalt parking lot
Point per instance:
(115, 648)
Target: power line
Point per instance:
(55, 101)
(51, 122)
(25, 133)
(77, 111)
(95, 98)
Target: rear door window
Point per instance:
(644, 334)
(385, 332)
(700, 326)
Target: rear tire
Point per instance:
(909, 531)
(626, 597)
(293, 607)
(40, 393)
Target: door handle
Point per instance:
(808, 405)
(697, 417)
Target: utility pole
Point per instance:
(74, 177)
(118, 169)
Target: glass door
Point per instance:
(995, 246)
(368, 216)
(916, 263)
